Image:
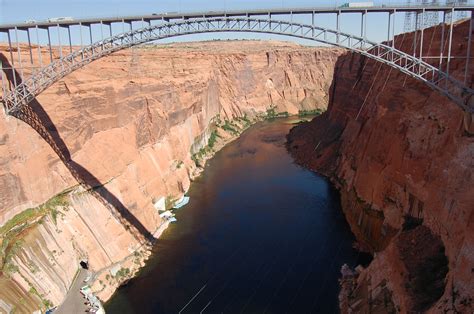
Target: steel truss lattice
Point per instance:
(408, 64)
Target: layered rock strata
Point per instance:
(403, 158)
(136, 122)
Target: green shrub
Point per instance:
(11, 231)
(213, 139)
(229, 127)
(302, 113)
(123, 272)
(272, 114)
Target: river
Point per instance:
(260, 235)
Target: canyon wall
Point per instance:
(402, 156)
(134, 122)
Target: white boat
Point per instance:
(168, 215)
(181, 202)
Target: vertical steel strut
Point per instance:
(468, 53)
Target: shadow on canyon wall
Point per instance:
(35, 116)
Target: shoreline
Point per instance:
(219, 145)
(106, 294)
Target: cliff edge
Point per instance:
(403, 159)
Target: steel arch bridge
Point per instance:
(29, 88)
(411, 65)
(19, 96)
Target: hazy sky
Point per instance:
(20, 10)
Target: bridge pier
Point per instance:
(69, 38)
(40, 57)
(2, 78)
(422, 33)
(49, 45)
(450, 41)
(29, 45)
(442, 42)
(468, 53)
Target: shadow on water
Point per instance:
(35, 116)
(260, 235)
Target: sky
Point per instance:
(12, 11)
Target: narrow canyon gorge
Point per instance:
(402, 156)
(140, 124)
(142, 129)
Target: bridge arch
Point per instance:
(32, 86)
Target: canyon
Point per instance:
(139, 124)
(402, 156)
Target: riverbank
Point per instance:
(223, 133)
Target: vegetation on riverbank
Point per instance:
(12, 231)
(317, 112)
(12, 240)
(272, 113)
(227, 130)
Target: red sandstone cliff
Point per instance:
(401, 156)
(133, 121)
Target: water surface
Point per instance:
(260, 235)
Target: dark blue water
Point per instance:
(260, 235)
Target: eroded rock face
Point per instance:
(399, 151)
(132, 121)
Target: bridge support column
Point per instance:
(388, 29)
(422, 33)
(363, 28)
(102, 30)
(80, 35)
(4, 90)
(415, 35)
(90, 33)
(29, 45)
(18, 51)
(12, 65)
(468, 53)
(59, 42)
(450, 41)
(40, 57)
(69, 37)
(49, 44)
(441, 49)
(393, 32)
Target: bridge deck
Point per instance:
(210, 14)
